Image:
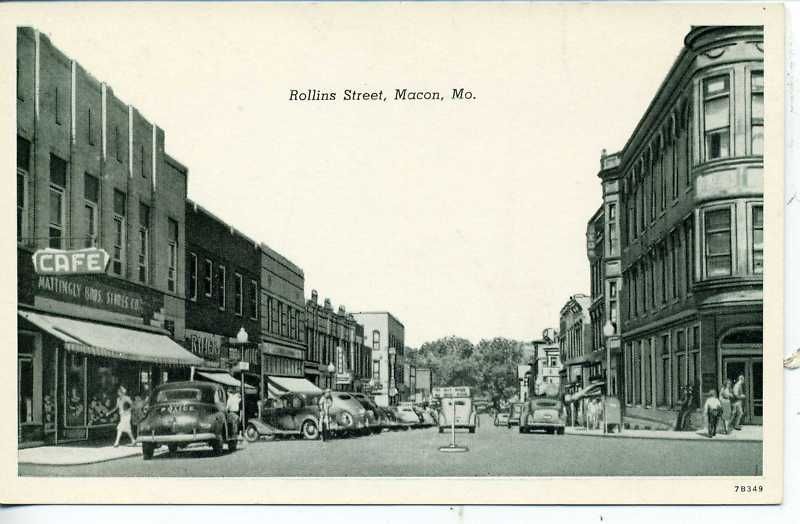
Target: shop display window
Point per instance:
(75, 390)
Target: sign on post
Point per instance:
(90, 260)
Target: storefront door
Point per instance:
(752, 370)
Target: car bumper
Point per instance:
(181, 438)
(543, 425)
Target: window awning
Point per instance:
(279, 385)
(103, 340)
(226, 379)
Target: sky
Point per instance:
(462, 218)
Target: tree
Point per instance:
(497, 360)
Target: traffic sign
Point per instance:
(51, 261)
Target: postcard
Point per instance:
(463, 253)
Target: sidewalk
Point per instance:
(67, 455)
(747, 434)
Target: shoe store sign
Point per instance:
(70, 262)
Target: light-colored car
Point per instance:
(515, 414)
(543, 414)
(183, 413)
(501, 419)
(406, 416)
(457, 412)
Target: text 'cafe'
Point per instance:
(80, 337)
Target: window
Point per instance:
(718, 242)
(141, 161)
(172, 245)
(376, 339)
(665, 396)
(192, 276)
(757, 113)
(688, 154)
(646, 274)
(274, 318)
(117, 144)
(58, 104)
(758, 239)
(208, 278)
(89, 127)
(716, 116)
(662, 176)
(144, 242)
(221, 282)
(655, 179)
(118, 248)
(676, 247)
(58, 183)
(254, 299)
(689, 225)
(284, 311)
(662, 255)
(376, 370)
(23, 168)
(293, 323)
(613, 242)
(238, 289)
(91, 197)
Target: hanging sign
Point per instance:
(70, 262)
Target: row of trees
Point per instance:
(489, 367)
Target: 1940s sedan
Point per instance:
(297, 413)
(183, 413)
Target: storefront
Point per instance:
(71, 369)
(741, 355)
(280, 362)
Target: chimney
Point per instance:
(314, 297)
(328, 304)
(341, 310)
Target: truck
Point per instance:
(456, 408)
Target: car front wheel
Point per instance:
(310, 430)
(251, 433)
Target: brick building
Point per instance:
(580, 365)
(92, 172)
(690, 186)
(386, 335)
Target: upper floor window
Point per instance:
(23, 168)
(91, 198)
(58, 184)
(757, 112)
(253, 299)
(613, 242)
(192, 276)
(376, 339)
(208, 278)
(144, 242)
(118, 232)
(172, 243)
(758, 239)
(222, 278)
(718, 242)
(716, 116)
(238, 290)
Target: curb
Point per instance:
(85, 462)
(642, 437)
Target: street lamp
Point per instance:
(241, 339)
(331, 369)
(608, 331)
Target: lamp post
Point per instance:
(241, 339)
(331, 369)
(391, 389)
(608, 331)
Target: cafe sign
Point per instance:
(89, 261)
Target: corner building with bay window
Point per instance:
(92, 172)
(690, 186)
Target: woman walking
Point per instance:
(124, 406)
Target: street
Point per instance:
(493, 451)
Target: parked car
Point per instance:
(406, 416)
(183, 413)
(389, 418)
(428, 418)
(298, 414)
(457, 412)
(374, 416)
(501, 419)
(543, 413)
(515, 414)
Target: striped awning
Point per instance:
(277, 386)
(103, 340)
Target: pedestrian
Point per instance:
(738, 404)
(123, 407)
(725, 396)
(598, 413)
(233, 405)
(712, 411)
(325, 404)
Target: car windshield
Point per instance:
(169, 395)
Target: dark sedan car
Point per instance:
(543, 414)
(182, 413)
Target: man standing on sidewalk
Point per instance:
(738, 404)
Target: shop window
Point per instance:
(716, 116)
(222, 278)
(758, 239)
(757, 113)
(75, 386)
(118, 249)
(718, 242)
(192, 276)
(25, 388)
(91, 202)
(172, 260)
(143, 261)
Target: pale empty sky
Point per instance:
(463, 218)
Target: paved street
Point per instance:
(493, 451)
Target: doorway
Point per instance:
(752, 370)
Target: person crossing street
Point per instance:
(325, 405)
